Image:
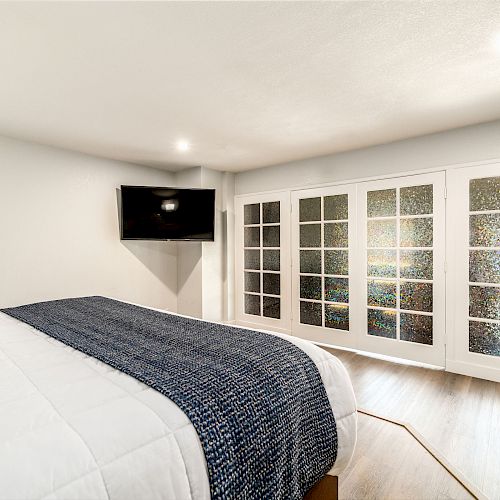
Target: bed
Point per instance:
(73, 427)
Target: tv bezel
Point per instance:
(124, 238)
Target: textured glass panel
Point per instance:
(415, 296)
(336, 207)
(310, 261)
(311, 313)
(484, 194)
(252, 304)
(484, 230)
(484, 302)
(252, 282)
(252, 259)
(415, 200)
(252, 236)
(381, 203)
(382, 263)
(337, 262)
(271, 260)
(416, 264)
(336, 235)
(271, 307)
(381, 293)
(484, 338)
(416, 328)
(382, 323)
(310, 235)
(271, 212)
(271, 283)
(271, 236)
(484, 266)
(310, 209)
(337, 316)
(415, 232)
(310, 287)
(337, 289)
(382, 233)
(252, 213)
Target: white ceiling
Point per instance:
(249, 84)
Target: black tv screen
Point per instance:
(164, 213)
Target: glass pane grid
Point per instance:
(260, 282)
(484, 266)
(398, 261)
(402, 267)
(315, 262)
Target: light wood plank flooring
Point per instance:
(458, 415)
(389, 463)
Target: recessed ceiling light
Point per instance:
(183, 145)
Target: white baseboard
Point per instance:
(473, 370)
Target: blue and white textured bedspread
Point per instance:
(257, 402)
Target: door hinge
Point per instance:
(445, 193)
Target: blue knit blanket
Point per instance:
(256, 401)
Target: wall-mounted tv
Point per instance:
(167, 213)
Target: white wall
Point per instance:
(59, 230)
(190, 259)
(467, 144)
(205, 270)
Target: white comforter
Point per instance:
(72, 427)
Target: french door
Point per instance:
(401, 242)
(368, 266)
(474, 271)
(263, 260)
(364, 266)
(323, 265)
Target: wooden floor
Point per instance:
(458, 415)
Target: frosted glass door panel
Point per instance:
(262, 260)
(405, 235)
(323, 229)
(401, 239)
(484, 266)
(473, 305)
